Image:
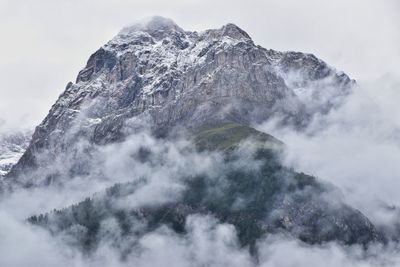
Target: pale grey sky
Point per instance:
(44, 43)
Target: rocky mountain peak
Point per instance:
(157, 72)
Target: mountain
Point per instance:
(159, 73)
(155, 81)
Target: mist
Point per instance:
(207, 240)
(355, 147)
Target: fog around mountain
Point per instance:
(99, 160)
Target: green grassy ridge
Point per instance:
(228, 136)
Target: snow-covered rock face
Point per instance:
(158, 72)
(12, 147)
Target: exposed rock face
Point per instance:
(167, 76)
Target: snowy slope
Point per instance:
(12, 147)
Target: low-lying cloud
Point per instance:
(356, 147)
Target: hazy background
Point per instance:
(44, 43)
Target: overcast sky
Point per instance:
(44, 43)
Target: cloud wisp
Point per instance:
(355, 147)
